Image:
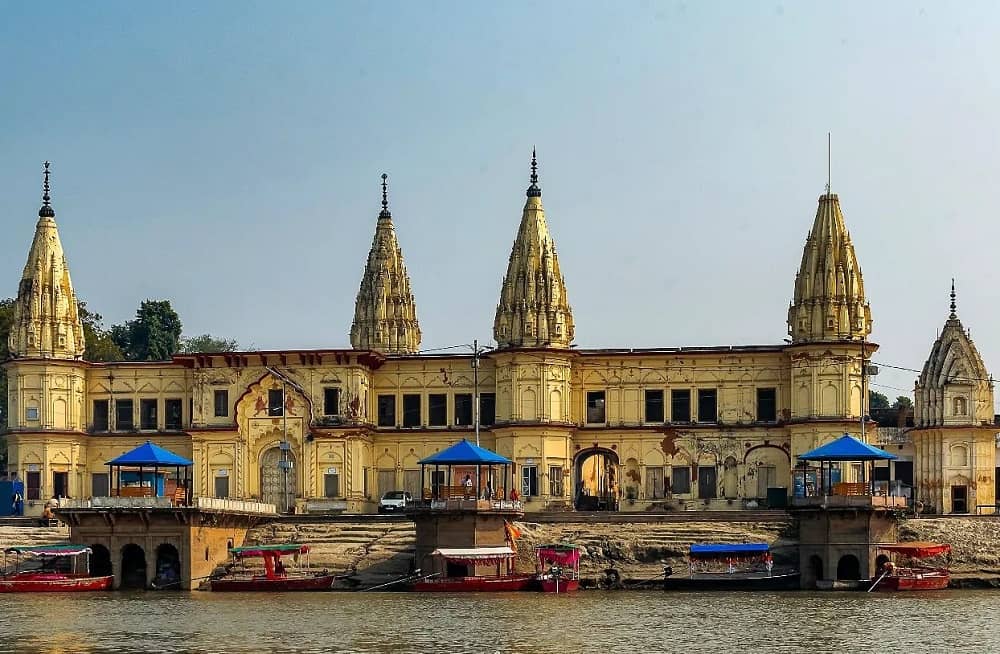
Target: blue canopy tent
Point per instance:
(464, 453)
(722, 550)
(149, 455)
(845, 448)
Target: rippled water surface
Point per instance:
(959, 621)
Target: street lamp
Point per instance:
(476, 351)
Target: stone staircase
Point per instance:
(32, 535)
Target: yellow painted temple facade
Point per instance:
(617, 429)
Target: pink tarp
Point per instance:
(559, 555)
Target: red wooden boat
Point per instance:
(49, 578)
(895, 577)
(275, 577)
(560, 567)
(474, 559)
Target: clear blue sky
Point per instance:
(226, 155)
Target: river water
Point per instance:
(591, 621)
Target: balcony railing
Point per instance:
(203, 503)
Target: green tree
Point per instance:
(154, 335)
(902, 402)
(101, 345)
(208, 343)
(877, 401)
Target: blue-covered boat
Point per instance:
(731, 566)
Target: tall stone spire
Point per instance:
(46, 321)
(829, 302)
(954, 386)
(385, 315)
(533, 309)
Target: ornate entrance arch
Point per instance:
(596, 480)
(277, 487)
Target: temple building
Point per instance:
(673, 428)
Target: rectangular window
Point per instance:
(275, 402)
(124, 420)
(680, 481)
(707, 406)
(555, 481)
(147, 414)
(100, 416)
(99, 486)
(60, 484)
(386, 410)
(437, 409)
(411, 410)
(33, 485)
(595, 406)
(173, 410)
(221, 404)
(463, 409)
(654, 483)
(680, 405)
(654, 406)
(487, 409)
(331, 485)
(529, 481)
(767, 405)
(331, 401)
(222, 486)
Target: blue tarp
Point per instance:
(465, 453)
(149, 454)
(728, 549)
(847, 448)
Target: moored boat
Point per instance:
(61, 571)
(458, 562)
(731, 566)
(894, 577)
(559, 565)
(275, 577)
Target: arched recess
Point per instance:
(100, 561)
(765, 466)
(830, 401)
(168, 567)
(278, 481)
(959, 456)
(133, 567)
(596, 480)
(632, 479)
(849, 567)
(555, 406)
(730, 478)
(59, 414)
(529, 409)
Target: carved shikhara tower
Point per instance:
(629, 428)
(954, 435)
(385, 315)
(46, 322)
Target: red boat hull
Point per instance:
(560, 585)
(53, 583)
(475, 584)
(280, 584)
(919, 580)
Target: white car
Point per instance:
(394, 501)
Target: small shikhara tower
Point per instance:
(46, 322)
(829, 302)
(533, 309)
(385, 315)
(954, 437)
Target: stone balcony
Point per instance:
(205, 504)
(876, 502)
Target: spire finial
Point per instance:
(534, 191)
(385, 198)
(46, 211)
(829, 165)
(953, 316)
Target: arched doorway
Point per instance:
(814, 570)
(277, 480)
(100, 561)
(849, 567)
(133, 567)
(168, 567)
(596, 486)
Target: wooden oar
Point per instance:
(402, 580)
(180, 581)
(882, 576)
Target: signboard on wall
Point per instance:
(222, 472)
(331, 471)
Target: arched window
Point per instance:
(959, 406)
